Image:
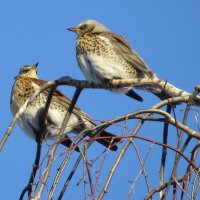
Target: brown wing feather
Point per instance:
(122, 47)
(60, 98)
(63, 100)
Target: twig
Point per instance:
(190, 168)
(164, 149)
(117, 161)
(185, 116)
(70, 177)
(65, 122)
(86, 146)
(13, 122)
(169, 118)
(33, 173)
(89, 175)
(40, 135)
(162, 187)
(137, 114)
(195, 191)
(177, 156)
(142, 163)
(86, 84)
(177, 183)
(113, 84)
(57, 177)
(100, 169)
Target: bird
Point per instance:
(103, 56)
(25, 85)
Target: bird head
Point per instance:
(89, 26)
(29, 71)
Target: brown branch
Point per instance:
(113, 84)
(33, 173)
(117, 161)
(180, 135)
(190, 168)
(85, 84)
(66, 119)
(57, 177)
(60, 171)
(191, 164)
(164, 149)
(137, 114)
(100, 169)
(142, 163)
(169, 118)
(40, 135)
(86, 146)
(69, 177)
(89, 175)
(13, 122)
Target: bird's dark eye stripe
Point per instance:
(83, 26)
(25, 71)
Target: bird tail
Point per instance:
(109, 140)
(105, 138)
(66, 141)
(134, 95)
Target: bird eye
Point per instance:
(25, 71)
(84, 26)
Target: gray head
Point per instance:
(89, 26)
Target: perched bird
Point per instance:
(26, 83)
(104, 56)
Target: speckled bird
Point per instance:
(25, 85)
(103, 56)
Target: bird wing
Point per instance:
(122, 47)
(61, 99)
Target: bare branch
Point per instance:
(65, 122)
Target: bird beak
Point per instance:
(36, 64)
(35, 67)
(72, 29)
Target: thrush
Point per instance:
(103, 56)
(25, 85)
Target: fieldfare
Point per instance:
(26, 83)
(104, 56)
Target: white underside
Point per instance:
(30, 124)
(97, 69)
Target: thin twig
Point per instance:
(57, 177)
(164, 149)
(86, 146)
(33, 173)
(65, 122)
(117, 161)
(89, 175)
(177, 156)
(161, 187)
(189, 170)
(40, 135)
(170, 119)
(142, 163)
(100, 169)
(167, 116)
(85, 84)
(13, 122)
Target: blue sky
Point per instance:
(165, 33)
